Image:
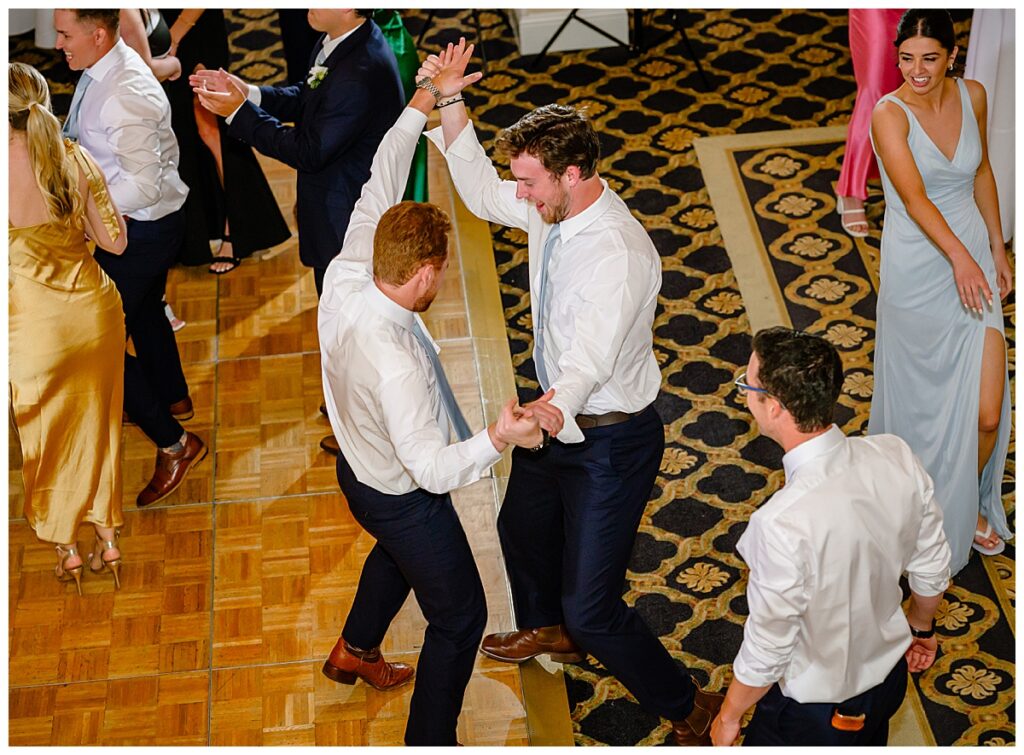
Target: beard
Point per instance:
(556, 212)
(423, 303)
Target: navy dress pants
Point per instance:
(567, 527)
(781, 721)
(420, 545)
(153, 378)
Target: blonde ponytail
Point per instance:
(56, 175)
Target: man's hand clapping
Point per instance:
(220, 92)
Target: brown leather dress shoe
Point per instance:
(346, 663)
(323, 409)
(171, 469)
(695, 729)
(516, 647)
(330, 444)
(182, 410)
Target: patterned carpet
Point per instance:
(768, 71)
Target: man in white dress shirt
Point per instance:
(827, 646)
(390, 407)
(571, 511)
(120, 113)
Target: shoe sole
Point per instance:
(185, 415)
(557, 657)
(341, 676)
(191, 466)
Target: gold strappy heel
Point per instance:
(73, 573)
(113, 564)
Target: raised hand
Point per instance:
(447, 70)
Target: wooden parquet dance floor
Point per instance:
(236, 587)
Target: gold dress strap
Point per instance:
(97, 186)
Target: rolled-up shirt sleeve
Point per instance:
(928, 567)
(133, 133)
(475, 178)
(777, 598)
(419, 443)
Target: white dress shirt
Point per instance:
(825, 554)
(255, 96)
(379, 386)
(125, 122)
(603, 281)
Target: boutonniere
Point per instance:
(316, 75)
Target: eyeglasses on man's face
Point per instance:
(743, 386)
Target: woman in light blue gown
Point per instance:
(941, 380)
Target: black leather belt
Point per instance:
(588, 421)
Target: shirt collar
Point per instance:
(571, 226)
(104, 65)
(330, 45)
(810, 449)
(387, 308)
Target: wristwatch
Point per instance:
(545, 440)
(923, 634)
(427, 84)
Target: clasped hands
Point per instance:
(220, 92)
(447, 69)
(524, 425)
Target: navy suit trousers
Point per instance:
(779, 720)
(420, 545)
(567, 527)
(153, 378)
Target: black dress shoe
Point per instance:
(330, 444)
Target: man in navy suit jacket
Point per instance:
(349, 99)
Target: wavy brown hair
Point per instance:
(28, 110)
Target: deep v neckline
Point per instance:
(959, 137)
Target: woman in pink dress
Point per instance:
(876, 72)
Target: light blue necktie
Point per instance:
(321, 56)
(443, 387)
(538, 311)
(70, 128)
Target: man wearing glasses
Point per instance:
(827, 646)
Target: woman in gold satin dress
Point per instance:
(66, 333)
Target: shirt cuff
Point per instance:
(928, 586)
(462, 146)
(571, 432)
(255, 97)
(482, 450)
(743, 671)
(412, 121)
